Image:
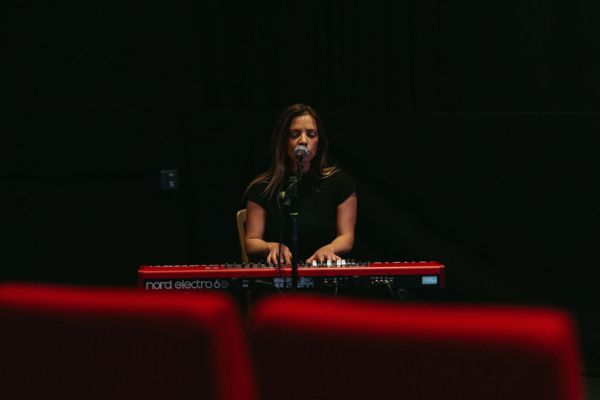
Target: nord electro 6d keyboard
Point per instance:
(393, 277)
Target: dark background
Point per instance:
(470, 129)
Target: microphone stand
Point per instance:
(292, 193)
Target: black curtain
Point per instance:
(470, 128)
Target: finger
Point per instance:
(275, 256)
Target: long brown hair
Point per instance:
(280, 163)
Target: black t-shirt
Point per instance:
(316, 205)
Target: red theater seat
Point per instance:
(79, 343)
(328, 348)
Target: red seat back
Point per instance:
(328, 348)
(83, 343)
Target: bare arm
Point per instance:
(256, 218)
(346, 222)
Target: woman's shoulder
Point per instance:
(256, 189)
(341, 182)
(337, 175)
(258, 185)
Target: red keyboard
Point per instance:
(394, 275)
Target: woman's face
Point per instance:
(303, 130)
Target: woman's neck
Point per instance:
(294, 169)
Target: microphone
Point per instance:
(301, 151)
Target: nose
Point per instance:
(303, 138)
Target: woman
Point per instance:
(326, 197)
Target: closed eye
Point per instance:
(311, 133)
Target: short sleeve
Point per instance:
(255, 194)
(345, 186)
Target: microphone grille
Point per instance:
(301, 150)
